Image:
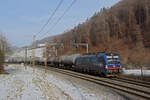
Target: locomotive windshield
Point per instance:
(113, 59)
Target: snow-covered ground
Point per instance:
(24, 84)
(136, 72)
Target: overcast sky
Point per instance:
(20, 19)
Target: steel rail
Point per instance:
(132, 82)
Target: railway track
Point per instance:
(132, 81)
(131, 87)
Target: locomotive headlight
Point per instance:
(120, 66)
(106, 66)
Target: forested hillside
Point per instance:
(123, 28)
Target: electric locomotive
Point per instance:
(106, 64)
(111, 63)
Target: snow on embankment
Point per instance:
(23, 84)
(136, 72)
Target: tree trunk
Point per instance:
(1, 62)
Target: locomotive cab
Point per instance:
(111, 62)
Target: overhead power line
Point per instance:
(67, 9)
(50, 17)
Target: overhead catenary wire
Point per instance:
(67, 9)
(50, 17)
(34, 36)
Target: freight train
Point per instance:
(106, 64)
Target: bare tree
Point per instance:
(3, 50)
